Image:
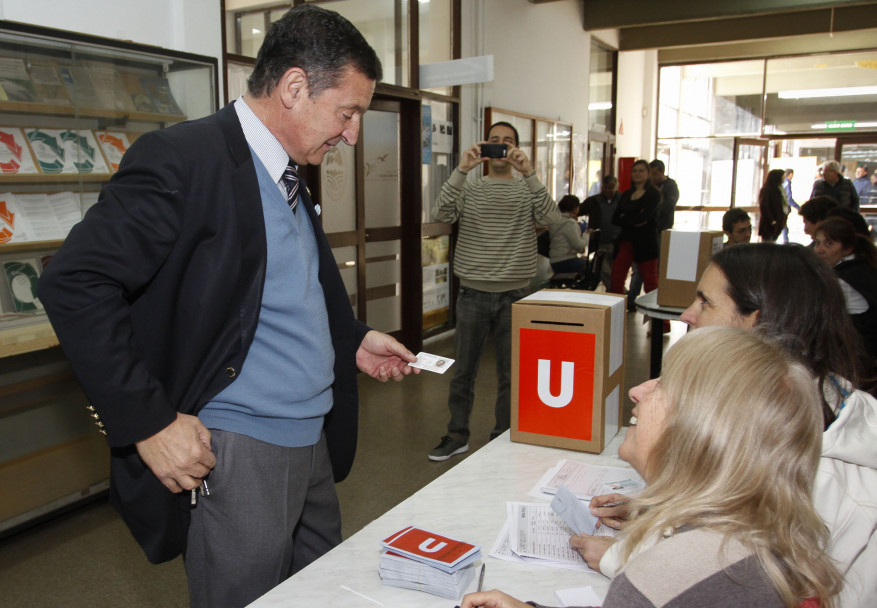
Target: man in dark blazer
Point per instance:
(209, 327)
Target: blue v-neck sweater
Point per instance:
(283, 390)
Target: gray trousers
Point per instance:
(271, 511)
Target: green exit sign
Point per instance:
(840, 125)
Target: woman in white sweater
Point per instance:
(567, 240)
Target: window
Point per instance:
(821, 93)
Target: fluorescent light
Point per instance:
(837, 92)
(599, 105)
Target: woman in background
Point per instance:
(773, 206)
(567, 240)
(854, 259)
(637, 242)
(727, 517)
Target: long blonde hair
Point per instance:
(739, 455)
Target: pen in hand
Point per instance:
(612, 504)
(480, 581)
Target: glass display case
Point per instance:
(70, 105)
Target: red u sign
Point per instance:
(556, 383)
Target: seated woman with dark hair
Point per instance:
(788, 294)
(727, 517)
(854, 259)
(567, 240)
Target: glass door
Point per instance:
(361, 191)
(383, 218)
(750, 160)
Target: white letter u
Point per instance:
(424, 546)
(567, 369)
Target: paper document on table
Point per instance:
(502, 549)
(587, 481)
(535, 530)
(579, 596)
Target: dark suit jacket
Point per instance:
(155, 298)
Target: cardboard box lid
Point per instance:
(589, 299)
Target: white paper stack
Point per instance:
(414, 558)
(399, 571)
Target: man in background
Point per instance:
(203, 312)
(862, 183)
(835, 185)
(495, 259)
(737, 226)
(669, 195)
(599, 209)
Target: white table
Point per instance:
(468, 502)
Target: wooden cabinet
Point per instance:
(70, 105)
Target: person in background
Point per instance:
(854, 259)
(567, 239)
(814, 211)
(666, 218)
(788, 176)
(773, 207)
(835, 185)
(737, 226)
(727, 518)
(669, 194)
(637, 242)
(204, 315)
(862, 183)
(495, 258)
(600, 208)
(872, 193)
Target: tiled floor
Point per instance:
(87, 557)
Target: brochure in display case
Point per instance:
(67, 117)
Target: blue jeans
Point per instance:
(478, 313)
(636, 286)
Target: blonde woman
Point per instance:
(727, 518)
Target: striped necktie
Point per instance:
(290, 181)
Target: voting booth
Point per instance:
(567, 368)
(684, 257)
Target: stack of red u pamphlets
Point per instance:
(415, 558)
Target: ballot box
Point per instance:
(684, 257)
(567, 368)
